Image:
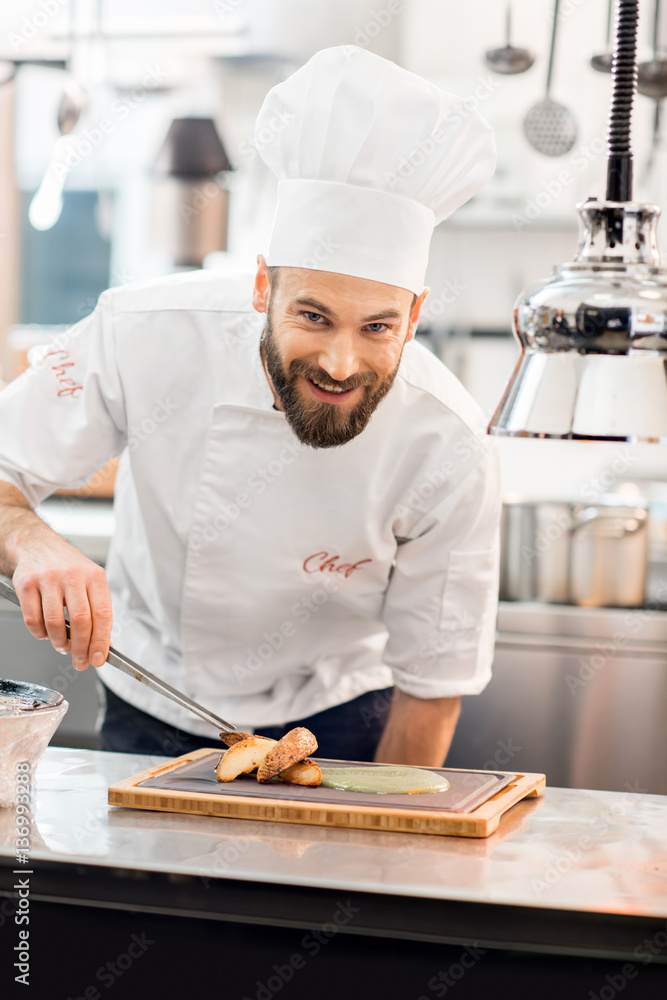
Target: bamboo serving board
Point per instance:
(263, 803)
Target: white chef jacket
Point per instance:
(267, 579)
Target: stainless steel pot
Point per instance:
(562, 552)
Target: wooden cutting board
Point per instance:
(245, 798)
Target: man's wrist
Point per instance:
(20, 527)
(14, 539)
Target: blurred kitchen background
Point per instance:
(127, 151)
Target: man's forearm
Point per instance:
(19, 527)
(418, 731)
(50, 574)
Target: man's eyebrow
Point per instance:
(315, 306)
(325, 311)
(387, 314)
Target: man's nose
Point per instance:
(338, 357)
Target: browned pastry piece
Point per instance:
(243, 757)
(229, 739)
(306, 772)
(293, 747)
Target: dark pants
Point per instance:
(350, 731)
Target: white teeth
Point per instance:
(327, 388)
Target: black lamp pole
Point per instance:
(624, 84)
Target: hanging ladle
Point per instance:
(652, 75)
(508, 59)
(652, 82)
(549, 127)
(47, 202)
(602, 62)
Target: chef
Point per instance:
(307, 504)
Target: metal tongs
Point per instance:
(128, 666)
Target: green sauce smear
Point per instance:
(381, 780)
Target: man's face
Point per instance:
(332, 345)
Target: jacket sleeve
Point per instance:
(63, 419)
(441, 603)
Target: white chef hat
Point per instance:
(369, 158)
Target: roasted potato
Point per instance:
(292, 748)
(243, 757)
(234, 737)
(306, 772)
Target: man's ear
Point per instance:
(414, 315)
(260, 293)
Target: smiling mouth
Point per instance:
(329, 392)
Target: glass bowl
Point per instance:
(29, 716)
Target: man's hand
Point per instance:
(418, 731)
(49, 573)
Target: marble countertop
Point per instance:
(576, 850)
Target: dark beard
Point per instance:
(318, 424)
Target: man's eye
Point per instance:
(377, 327)
(312, 317)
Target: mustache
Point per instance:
(317, 374)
